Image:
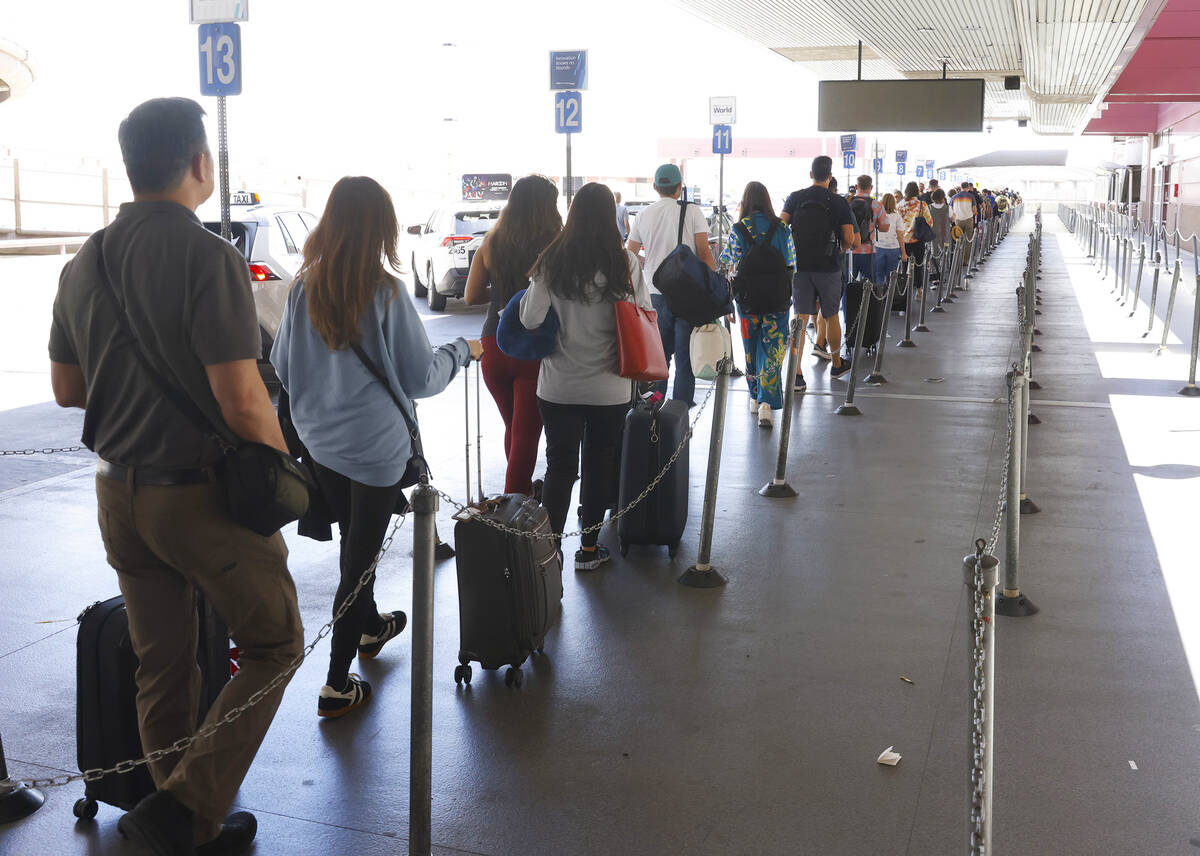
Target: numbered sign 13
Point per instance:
(568, 112)
(220, 59)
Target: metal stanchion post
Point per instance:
(952, 281)
(420, 770)
(1012, 602)
(1190, 389)
(703, 574)
(979, 573)
(860, 325)
(1027, 505)
(1125, 273)
(1137, 288)
(1153, 294)
(1171, 305)
(946, 263)
(922, 327)
(778, 486)
(16, 801)
(876, 375)
(910, 281)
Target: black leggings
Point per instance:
(597, 428)
(363, 514)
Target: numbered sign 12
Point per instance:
(722, 139)
(568, 112)
(220, 59)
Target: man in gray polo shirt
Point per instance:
(165, 525)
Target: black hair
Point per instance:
(589, 244)
(822, 167)
(158, 140)
(665, 191)
(756, 198)
(911, 190)
(526, 226)
(833, 185)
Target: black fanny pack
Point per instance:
(265, 488)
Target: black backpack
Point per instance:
(863, 214)
(813, 229)
(764, 280)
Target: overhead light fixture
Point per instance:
(925, 29)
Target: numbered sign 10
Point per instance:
(568, 112)
(220, 59)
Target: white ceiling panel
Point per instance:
(1063, 49)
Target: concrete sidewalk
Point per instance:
(747, 720)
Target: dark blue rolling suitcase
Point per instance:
(652, 434)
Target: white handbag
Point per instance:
(709, 344)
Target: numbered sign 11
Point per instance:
(220, 59)
(722, 139)
(568, 112)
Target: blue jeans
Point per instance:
(864, 265)
(886, 261)
(676, 338)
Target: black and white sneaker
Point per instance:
(838, 371)
(334, 703)
(589, 560)
(369, 645)
(801, 383)
(821, 351)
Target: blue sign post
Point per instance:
(901, 156)
(900, 168)
(722, 139)
(568, 112)
(848, 160)
(929, 167)
(878, 165)
(920, 171)
(568, 70)
(849, 142)
(220, 59)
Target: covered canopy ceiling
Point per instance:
(1064, 51)
(1011, 157)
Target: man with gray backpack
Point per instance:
(822, 229)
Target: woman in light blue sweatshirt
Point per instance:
(343, 297)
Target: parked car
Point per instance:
(444, 247)
(271, 237)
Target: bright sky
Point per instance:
(366, 87)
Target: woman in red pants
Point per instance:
(527, 225)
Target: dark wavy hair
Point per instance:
(527, 225)
(756, 198)
(588, 245)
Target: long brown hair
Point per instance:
(527, 225)
(589, 244)
(756, 198)
(344, 258)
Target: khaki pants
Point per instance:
(968, 227)
(165, 542)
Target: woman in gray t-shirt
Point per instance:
(582, 398)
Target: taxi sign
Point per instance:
(244, 197)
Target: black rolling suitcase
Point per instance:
(873, 327)
(652, 434)
(509, 586)
(106, 694)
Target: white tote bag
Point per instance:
(710, 343)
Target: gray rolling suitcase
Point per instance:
(652, 434)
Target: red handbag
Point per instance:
(640, 351)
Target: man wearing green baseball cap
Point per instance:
(656, 230)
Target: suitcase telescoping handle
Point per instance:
(478, 429)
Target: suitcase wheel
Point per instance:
(462, 674)
(672, 549)
(512, 677)
(85, 809)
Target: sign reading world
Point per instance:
(218, 11)
(722, 110)
(568, 70)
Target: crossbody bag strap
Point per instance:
(682, 216)
(414, 431)
(181, 402)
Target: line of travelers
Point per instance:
(157, 303)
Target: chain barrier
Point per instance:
(10, 452)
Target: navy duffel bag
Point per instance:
(693, 291)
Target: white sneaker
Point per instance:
(765, 417)
(753, 407)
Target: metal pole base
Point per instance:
(937, 309)
(778, 490)
(875, 377)
(443, 551)
(921, 328)
(1015, 607)
(1034, 420)
(693, 577)
(1028, 506)
(18, 803)
(1035, 348)
(847, 410)
(1191, 390)
(907, 343)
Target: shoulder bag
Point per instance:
(640, 354)
(922, 231)
(515, 340)
(417, 469)
(265, 488)
(693, 291)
